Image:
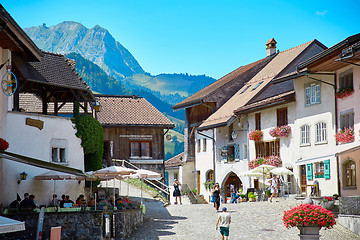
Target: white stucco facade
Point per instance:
(314, 153)
(32, 142)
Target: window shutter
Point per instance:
(327, 169)
(309, 171)
(237, 152)
(317, 87)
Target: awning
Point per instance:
(10, 225)
(40, 163)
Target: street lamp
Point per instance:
(23, 176)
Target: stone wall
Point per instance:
(349, 213)
(79, 225)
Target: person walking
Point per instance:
(274, 183)
(224, 220)
(177, 192)
(216, 191)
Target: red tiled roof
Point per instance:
(130, 111)
(174, 161)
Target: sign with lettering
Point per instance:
(35, 123)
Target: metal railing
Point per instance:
(185, 189)
(164, 188)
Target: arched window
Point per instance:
(210, 175)
(350, 173)
(320, 129)
(305, 135)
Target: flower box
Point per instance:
(282, 131)
(255, 135)
(319, 175)
(344, 92)
(3, 144)
(345, 135)
(271, 160)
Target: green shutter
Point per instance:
(309, 171)
(327, 169)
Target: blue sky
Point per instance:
(199, 36)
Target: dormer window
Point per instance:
(257, 85)
(247, 87)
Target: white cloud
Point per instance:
(323, 13)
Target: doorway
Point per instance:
(303, 178)
(232, 183)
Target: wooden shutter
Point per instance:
(237, 152)
(309, 171)
(327, 169)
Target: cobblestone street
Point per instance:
(250, 220)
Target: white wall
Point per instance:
(323, 112)
(32, 142)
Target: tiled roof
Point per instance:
(56, 70)
(130, 111)
(174, 161)
(242, 73)
(278, 64)
(29, 102)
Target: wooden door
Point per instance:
(256, 183)
(198, 181)
(303, 178)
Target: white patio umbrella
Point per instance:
(143, 173)
(282, 171)
(55, 175)
(264, 169)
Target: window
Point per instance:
(210, 175)
(305, 135)
(346, 79)
(320, 129)
(282, 118)
(312, 94)
(258, 121)
(176, 176)
(199, 145)
(266, 149)
(257, 85)
(319, 170)
(247, 87)
(347, 119)
(58, 150)
(204, 144)
(140, 149)
(350, 173)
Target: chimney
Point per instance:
(270, 47)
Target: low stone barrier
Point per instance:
(349, 213)
(80, 225)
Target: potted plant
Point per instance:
(252, 197)
(242, 198)
(268, 192)
(345, 135)
(209, 185)
(309, 219)
(282, 131)
(328, 203)
(255, 135)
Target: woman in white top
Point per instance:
(274, 183)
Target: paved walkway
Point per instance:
(258, 220)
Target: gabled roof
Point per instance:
(238, 77)
(282, 63)
(328, 60)
(119, 111)
(174, 161)
(14, 38)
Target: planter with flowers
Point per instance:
(255, 135)
(345, 135)
(344, 92)
(3, 144)
(271, 160)
(319, 175)
(309, 219)
(282, 131)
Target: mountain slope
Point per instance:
(95, 44)
(100, 82)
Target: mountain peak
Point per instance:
(95, 44)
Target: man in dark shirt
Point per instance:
(27, 203)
